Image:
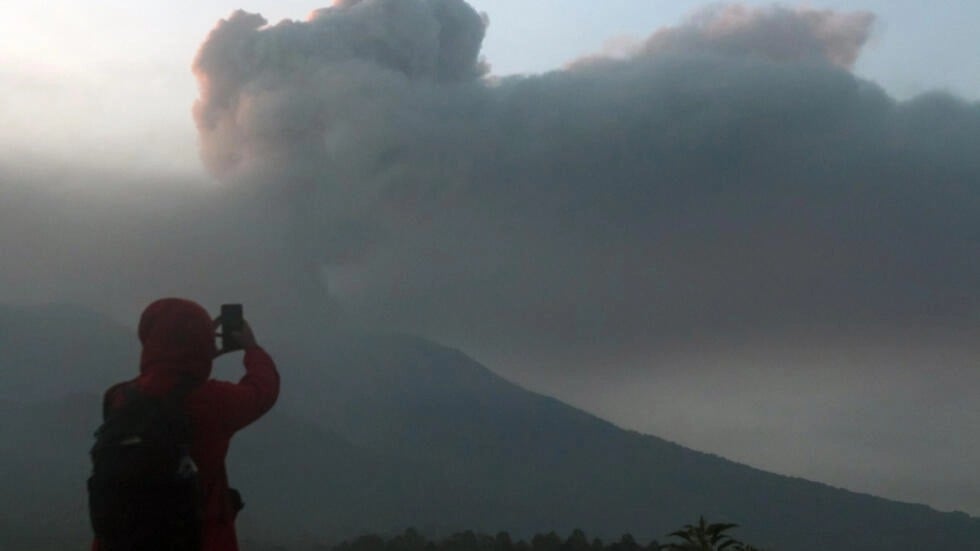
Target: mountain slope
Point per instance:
(53, 350)
(556, 467)
(377, 433)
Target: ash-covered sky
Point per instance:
(720, 232)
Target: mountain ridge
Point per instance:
(381, 432)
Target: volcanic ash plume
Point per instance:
(289, 91)
(777, 33)
(730, 173)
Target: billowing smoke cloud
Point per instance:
(775, 33)
(731, 174)
(337, 113)
(276, 91)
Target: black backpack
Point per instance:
(144, 492)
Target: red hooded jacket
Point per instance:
(178, 344)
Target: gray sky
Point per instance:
(746, 231)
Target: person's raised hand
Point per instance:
(245, 338)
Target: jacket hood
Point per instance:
(178, 340)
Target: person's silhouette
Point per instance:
(178, 338)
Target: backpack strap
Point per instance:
(176, 396)
(127, 388)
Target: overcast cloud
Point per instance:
(728, 176)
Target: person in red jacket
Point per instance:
(178, 338)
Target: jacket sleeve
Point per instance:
(240, 404)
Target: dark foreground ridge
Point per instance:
(377, 433)
(714, 534)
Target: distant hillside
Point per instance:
(378, 433)
(49, 351)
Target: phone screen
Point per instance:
(232, 321)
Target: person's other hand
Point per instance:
(245, 338)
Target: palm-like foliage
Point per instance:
(704, 537)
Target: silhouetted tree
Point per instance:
(546, 542)
(704, 537)
(503, 542)
(577, 541)
(461, 541)
(412, 540)
(368, 542)
(625, 543)
(409, 540)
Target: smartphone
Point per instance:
(232, 321)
